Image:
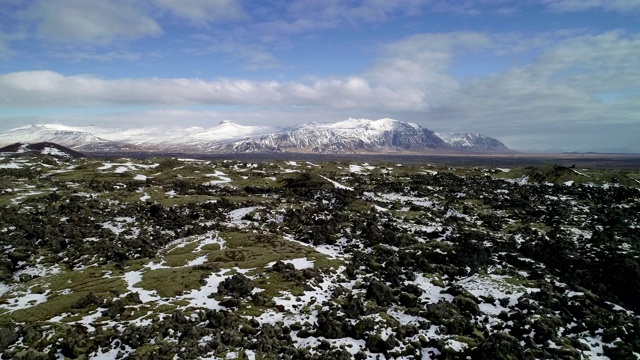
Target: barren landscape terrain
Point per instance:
(250, 257)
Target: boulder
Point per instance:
(380, 292)
(7, 337)
(238, 285)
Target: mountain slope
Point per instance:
(192, 139)
(472, 142)
(73, 137)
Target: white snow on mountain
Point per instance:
(345, 136)
(385, 124)
(174, 137)
(69, 136)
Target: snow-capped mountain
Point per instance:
(472, 142)
(349, 136)
(192, 139)
(73, 137)
(352, 135)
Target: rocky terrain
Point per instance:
(191, 259)
(349, 136)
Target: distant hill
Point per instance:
(43, 148)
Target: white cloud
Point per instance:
(51, 89)
(91, 22)
(413, 74)
(422, 62)
(77, 56)
(253, 56)
(475, 7)
(301, 16)
(621, 6)
(582, 88)
(4, 48)
(584, 85)
(203, 11)
(594, 63)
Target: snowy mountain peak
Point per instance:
(50, 127)
(358, 123)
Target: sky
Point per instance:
(539, 75)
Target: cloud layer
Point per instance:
(513, 83)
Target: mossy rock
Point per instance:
(7, 337)
(466, 305)
(237, 284)
(376, 344)
(408, 300)
(30, 354)
(361, 327)
(499, 346)
(380, 292)
(90, 299)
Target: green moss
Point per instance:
(273, 284)
(248, 250)
(172, 282)
(77, 283)
(515, 227)
(211, 247)
(519, 282)
(464, 339)
(185, 199)
(180, 256)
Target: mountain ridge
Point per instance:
(353, 135)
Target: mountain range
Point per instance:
(349, 136)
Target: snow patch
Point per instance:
(336, 184)
(198, 261)
(134, 277)
(54, 152)
(4, 288)
(299, 263)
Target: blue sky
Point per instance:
(547, 75)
